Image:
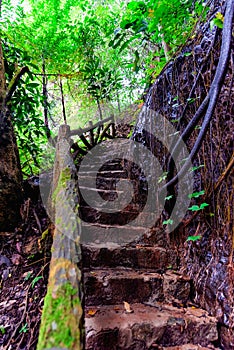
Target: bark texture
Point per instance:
(11, 192)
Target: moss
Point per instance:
(64, 177)
(62, 313)
(44, 234)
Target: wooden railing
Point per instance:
(64, 290)
(92, 135)
(62, 316)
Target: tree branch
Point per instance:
(14, 82)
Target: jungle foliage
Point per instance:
(96, 56)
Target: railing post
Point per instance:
(91, 134)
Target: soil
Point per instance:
(24, 267)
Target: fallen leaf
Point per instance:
(16, 259)
(128, 308)
(32, 247)
(18, 246)
(92, 312)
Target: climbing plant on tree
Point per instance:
(206, 109)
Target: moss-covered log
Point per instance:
(61, 324)
(62, 312)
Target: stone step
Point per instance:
(146, 328)
(97, 195)
(112, 286)
(101, 233)
(138, 257)
(132, 218)
(90, 176)
(103, 162)
(104, 173)
(101, 190)
(102, 165)
(101, 184)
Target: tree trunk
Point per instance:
(11, 192)
(99, 109)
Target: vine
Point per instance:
(209, 103)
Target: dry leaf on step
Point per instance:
(116, 308)
(128, 308)
(92, 312)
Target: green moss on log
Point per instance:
(62, 312)
(64, 178)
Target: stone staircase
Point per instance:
(134, 297)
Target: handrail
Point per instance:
(105, 129)
(62, 316)
(91, 126)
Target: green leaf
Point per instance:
(197, 167)
(2, 330)
(194, 208)
(168, 222)
(217, 22)
(203, 205)
(117, 36)
(168, 197)
(196, 194)
(193, 238)
(33, 85)
(24, 328)
(29, 275)
(35, 280)
(125, 45)
(34, 66)
(186, 54)
(162, 177)
(118, 42)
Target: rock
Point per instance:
(112, 328)
(111, 255)
(112, 286)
